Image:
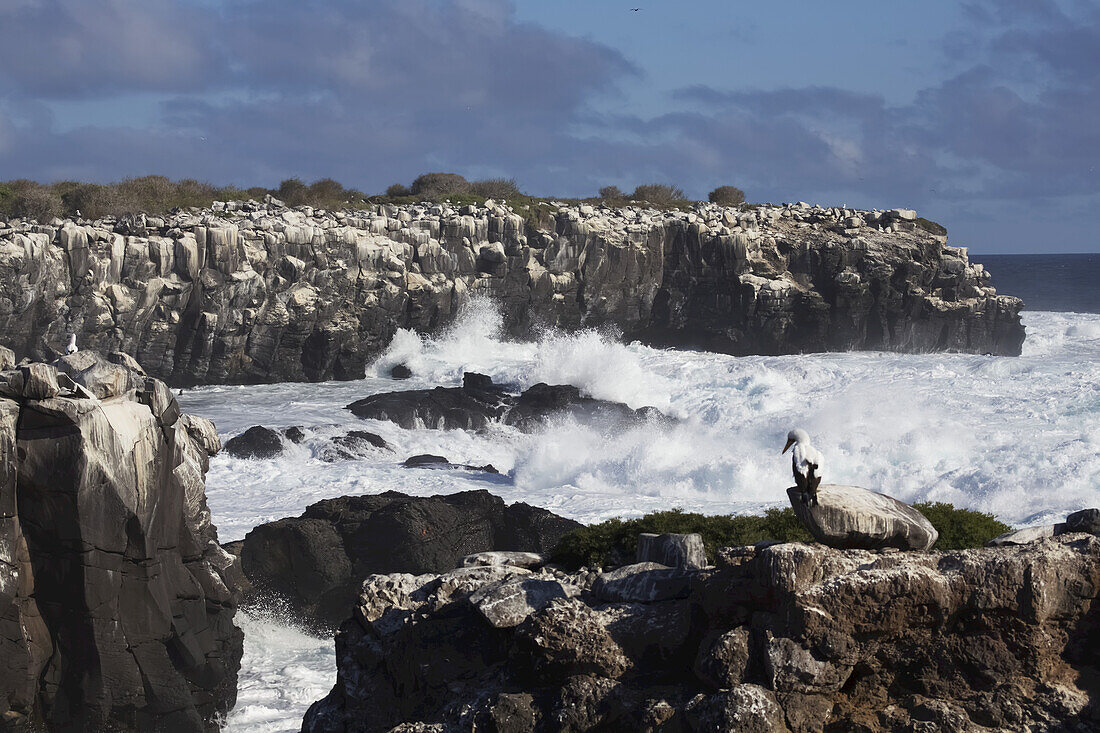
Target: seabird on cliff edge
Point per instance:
(805, 463)
(71, 348)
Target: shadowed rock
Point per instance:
(427, 460)
(256, 442)
(849, 517)
(478, 402)
(673, 550)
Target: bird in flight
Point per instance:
(635, 9)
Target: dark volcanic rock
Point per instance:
(254, 292)
(789, 637)
(256, 442)
(401, 371)
(114, 608)
(427, 460)
(478, 401)
(317, 561)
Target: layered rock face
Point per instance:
(787, 637)
(114, 612)
(251, 292)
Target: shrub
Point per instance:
(434, 186)
(326, 193)
(612, 193)
(496, 188)
(726, 196)
(292, 192)
(960, 528)
(38, 203)
(657, 193)
(92, 200)
(397, 190)
(615, 541)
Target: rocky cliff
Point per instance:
(114, 613)
(786, 637)
(251, 292)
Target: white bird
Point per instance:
(806, 464)
(71, 348)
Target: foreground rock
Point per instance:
(258, 292)
(478, 402)
(789, 637)
(849, 517)
(317, 561)
(114, 610)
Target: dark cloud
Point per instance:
(375, 93)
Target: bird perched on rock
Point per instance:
(805, 463)
(71, 348)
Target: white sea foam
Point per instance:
(1017, 437)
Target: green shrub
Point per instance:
(960, 528)
(727, 196)
(436, 186)
(612, 193)
(615, 541)
(39, 203)
(398, 190)
(931, 227)
(657, 193)
(91, 200)
(500, 189)
(292, 192)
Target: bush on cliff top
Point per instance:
(615, 541)
(960, 528)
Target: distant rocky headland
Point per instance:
(247, 292)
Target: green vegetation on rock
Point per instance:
(615, 541)
(960, 528)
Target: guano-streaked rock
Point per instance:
(849, 517)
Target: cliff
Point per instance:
(786, 637)
(251, 292)
(114, 612)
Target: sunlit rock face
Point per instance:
(114, 610)
(258, 292)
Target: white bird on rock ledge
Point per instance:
(806, 464)
(71, 348)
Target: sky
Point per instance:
(982, 115)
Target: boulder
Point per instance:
(673, 550)
(508, 602)
(256, 442)
(744, 708)
(427, 460)
(400, 371)
(115, 606)
(849, 517)
(98, 375)
(1086, 520)
(645, 582)
(496, 558)
(1023, 536)
(479, 402)
(316, 562)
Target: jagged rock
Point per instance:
(478, 402)
(673, 550)
(34, 382)
(508, 602)
(785, 637)
(256, 292)
(357, 438)
(7, 359)
(643, 583)
(100, 376)
(400, 371)
(1086, 520)
(1022, 536)
(114, 607)
(316, 561)
(427, 460)
(295, 434)
(256, 442)
(502, 557)
(851, 517)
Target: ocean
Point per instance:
(1014, 436)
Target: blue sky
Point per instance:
(982, 114)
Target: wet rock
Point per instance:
(316, 562)
(478, 402)
(849, 517)
(427, 460)
(256, 442)
(673, 550)
(295, 434)
(358, 438)
(400, 371)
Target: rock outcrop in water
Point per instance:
(250, 292)
(316, 562)
(787, 637)
(114, 611)
(478, 402)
